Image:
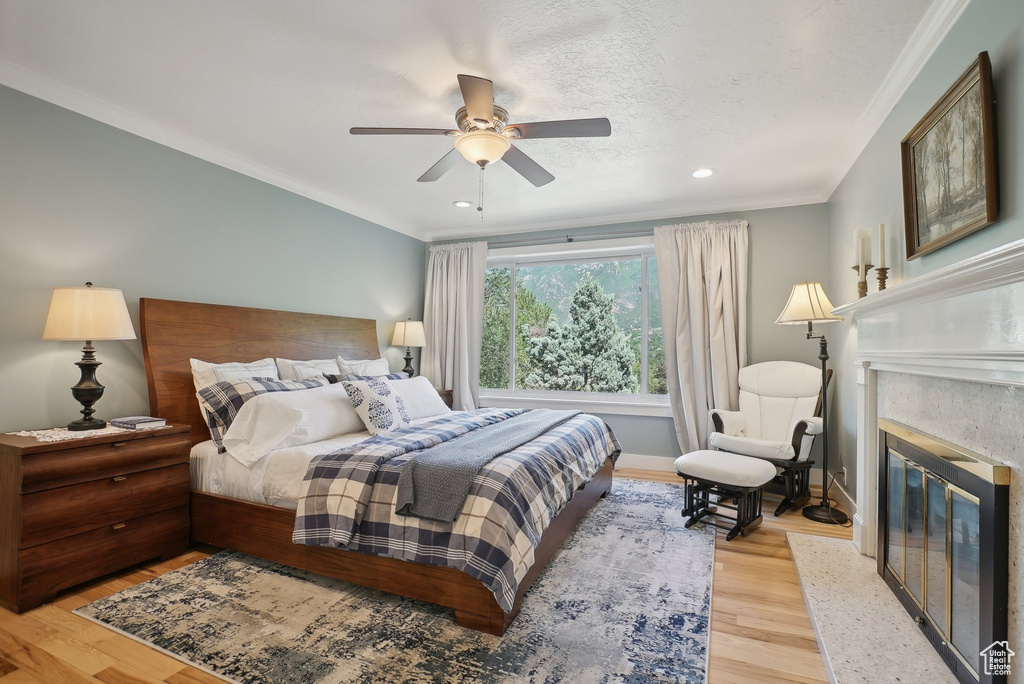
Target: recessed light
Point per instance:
(462, 204)
(702, 173)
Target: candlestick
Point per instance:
(883, 275)
(862, 282)
(863, 253)
(881, 246)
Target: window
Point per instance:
(562, 324)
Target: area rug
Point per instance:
(627, 599)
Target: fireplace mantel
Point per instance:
(962, 322)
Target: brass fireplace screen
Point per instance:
(942, 543)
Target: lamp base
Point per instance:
(83, 424)
(826, 513)
(88, 391)
(408, 363)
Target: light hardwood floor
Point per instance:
(760, 630)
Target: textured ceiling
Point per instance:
(765, 91)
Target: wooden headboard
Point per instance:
(174, 332)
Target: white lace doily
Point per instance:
(63, 434)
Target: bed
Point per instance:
(173, 332)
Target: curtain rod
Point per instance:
(571, 238)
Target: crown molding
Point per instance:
(925, 39)
(54, 92)
(668, 213)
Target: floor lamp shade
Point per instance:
(808, 304)
(409, 334)
(87, 314)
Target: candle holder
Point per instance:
(883, 275)
(862, 283)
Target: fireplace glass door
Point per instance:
(943, 543)
(965, 570)
(933, 550)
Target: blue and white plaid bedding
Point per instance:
(351, 494)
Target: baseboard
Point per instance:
(643, 462)
(843, 497)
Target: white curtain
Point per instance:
(702, 275)
(453, 320)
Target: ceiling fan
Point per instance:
(484, 135)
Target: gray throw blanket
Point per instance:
(435, 482)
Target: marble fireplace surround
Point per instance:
(944, 353)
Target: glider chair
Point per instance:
(778, 418)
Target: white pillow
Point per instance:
(205, 374)
(373, 367)
(378, 405)
(281, 419)
(420, 397)
(303, 370)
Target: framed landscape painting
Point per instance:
(950, 184)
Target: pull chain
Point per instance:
(480, 201)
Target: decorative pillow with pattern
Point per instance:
(343, 378)
(377, 404)
(222, 401)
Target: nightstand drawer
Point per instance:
(66, 511)
(48, 568)
(74, 466)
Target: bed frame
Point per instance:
(173, 332)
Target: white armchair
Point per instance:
(777, 420)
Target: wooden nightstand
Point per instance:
(446, 397)
(75, 510)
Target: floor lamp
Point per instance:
(809, 304)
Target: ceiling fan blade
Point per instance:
(479, 96)
(401, 131)
(573, 128)
(441, 167)
(527, 168)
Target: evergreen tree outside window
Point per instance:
(581, 326)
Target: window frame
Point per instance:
(642, 403)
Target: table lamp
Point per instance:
(87, 314)
(408, 334)
(809, 304)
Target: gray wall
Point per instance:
(787, 245)
(81, 201)
(872, 192)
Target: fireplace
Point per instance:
(943, 515)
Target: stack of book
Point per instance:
(138, 423)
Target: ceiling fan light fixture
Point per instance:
(463, 204)
(483, 146)
(702, 172)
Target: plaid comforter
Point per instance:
(350, 497)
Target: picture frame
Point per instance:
(950, 167)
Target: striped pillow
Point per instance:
(222, 401)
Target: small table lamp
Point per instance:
(86, 314)
(809, 304)
(408, 334)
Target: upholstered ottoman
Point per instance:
(725, 476)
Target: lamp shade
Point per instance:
(409, 334)
(482, 146)
(88, 313)
(807, 303)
